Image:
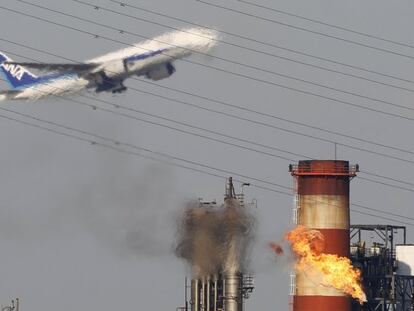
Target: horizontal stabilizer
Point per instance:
(78, 68)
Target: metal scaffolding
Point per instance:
(373, 251)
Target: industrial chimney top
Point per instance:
(323, 168)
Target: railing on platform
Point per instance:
(334, 169)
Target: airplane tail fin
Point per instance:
(17, 76)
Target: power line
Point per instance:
(386, 184)
(219, 58)
(203, 129)
(328, 24)
(235, 106)
(230, 72)
(272, 126)
(384, 218)
(383, 212)
(116, 142)
(386, 177)
(307, 30)
(114, 145)
(267, 146)
(124, 4)
(93, 142)
(225, 104)
(282, 119)
(203, 136)
(240, 46)
(140, 148)
(199, 135)
(276, 127)
(227, 143)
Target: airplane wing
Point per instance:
(78, 68)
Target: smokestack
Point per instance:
(233, 291)
(322, 203)
(195, 303)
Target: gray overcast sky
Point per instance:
(91, 228)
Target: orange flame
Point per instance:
(337, 271)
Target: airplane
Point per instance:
(152, 59)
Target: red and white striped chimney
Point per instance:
(322, 203)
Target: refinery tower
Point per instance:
(217, 238)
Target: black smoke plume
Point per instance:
(214, 239)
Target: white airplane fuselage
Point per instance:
(152, 59)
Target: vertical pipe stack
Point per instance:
(323, 204)
(195, 302)
(233, 285)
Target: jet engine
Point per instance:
(113, 69)
(160, 72)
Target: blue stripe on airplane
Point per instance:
(144, 55)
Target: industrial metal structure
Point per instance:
(227, 289)
(387, 265)
(14, 306)
(322, 203)
(221, 293)
(381, 252)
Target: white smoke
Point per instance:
(2, 97)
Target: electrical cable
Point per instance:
(327, 24)
(231, 72)
(199, 135)
(97, 7)
(129, 5)
(199, 128)
(308, 30)
(386, 177)
(117, 143)
(383, 212)
(237, 107)
(384, 218)
(219, 58)
(115, 146)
